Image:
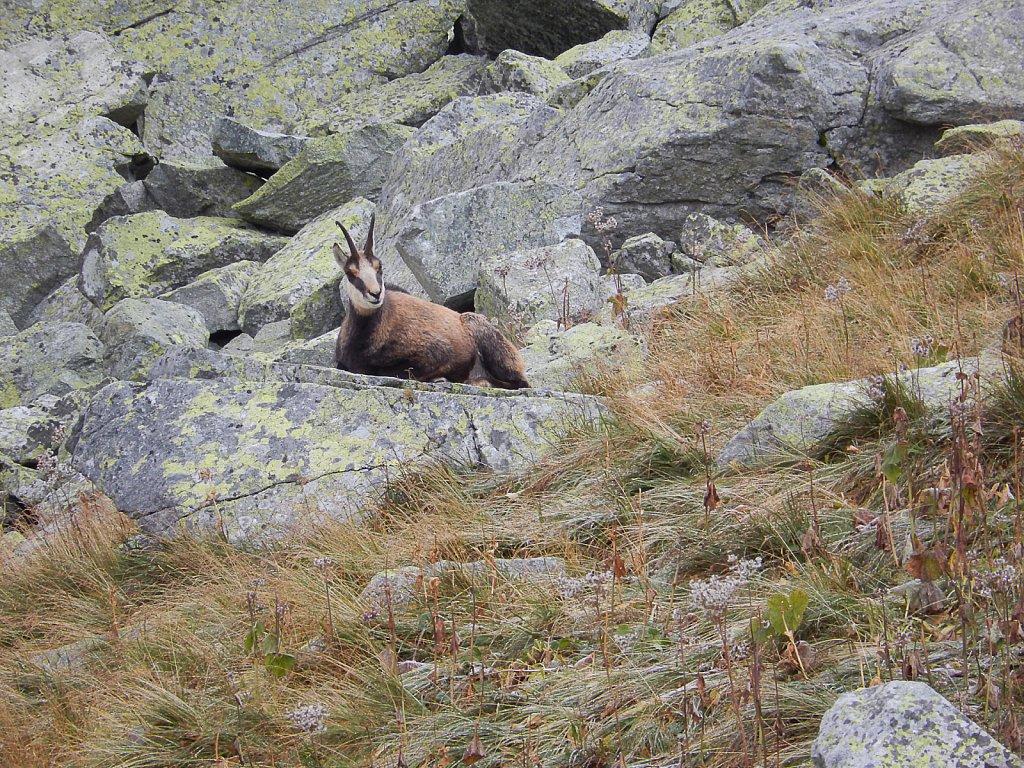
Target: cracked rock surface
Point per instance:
(255, 449)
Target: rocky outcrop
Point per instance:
(646, 255)
(799, 421)
(148, 254)
(66, 304)
(263, 63)
(34, 261)
(693, 21)
(62, 142)
(443, 241)
(252, 449)
(187, 189)
(707, 241)
(556, 282)
(471, 142)
(217, 294)
(663, 137)
(48, 358)
(557, 358)
(409, 100)
(248, 149)
(7, 326)
(617, 45)
(515, 71)
(931, 183)
(136, 332)
(970, 138)
(326, 173)
(548, 28)
(25, 432)
(900, 725)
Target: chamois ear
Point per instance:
(368, 248)
(339, 255)
(348, 237)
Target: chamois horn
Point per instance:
(368, 248)
(348, 237)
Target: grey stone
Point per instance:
(273, 337)
(59, 81)
(443, 241)
(557, 358)
(550, 27)
(903, 724)
(328, 172)
(817, 187)
(971, 138)
(617, 45)
(25, 432)
(409, 100)
(554, 282)
(318, 351)
(693, 21)
(646, 255)
(469, 143)
(958, 67)
(304, 442)
(61, 148)
(301, 280)
(66, 304)
(663, 137)
(262, 62)
(248, 149)
(217, 294)
(930, 184)
(643, 303)
(796, 423)
(711, 242)
(48, 358)
(69, 658)
(7, 326)
(126, 200)
(186, 189)
(148, 254)
(515, 71)
(242, 344)
(34, 261)
(568, 95)
(136, 332)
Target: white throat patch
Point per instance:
(360, 302)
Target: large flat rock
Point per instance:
(254, 449)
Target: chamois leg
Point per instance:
(502, 365)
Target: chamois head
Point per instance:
(363, 281)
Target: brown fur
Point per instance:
(407, 337)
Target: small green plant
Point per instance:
(782, 618)
(263, 644)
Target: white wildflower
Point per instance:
(311, 718)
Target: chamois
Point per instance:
(392, 333)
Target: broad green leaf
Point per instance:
(795, 611)
(271, 643)
(893, 461)
(279, 664)
(253, 636)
